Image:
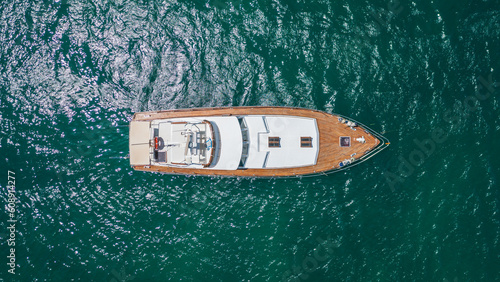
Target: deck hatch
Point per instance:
(306, 142)
(274, 142)
(345, 141)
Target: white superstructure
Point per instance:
(286, 150)
(226, 142)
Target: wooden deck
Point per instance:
(330, 129)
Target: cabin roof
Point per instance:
(229, 143)
(275, 141)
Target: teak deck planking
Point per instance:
(330, 129)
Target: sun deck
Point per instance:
(181, 142)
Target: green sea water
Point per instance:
(425, 74)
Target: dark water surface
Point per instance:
(425, 74)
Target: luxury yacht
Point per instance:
(249, 141)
